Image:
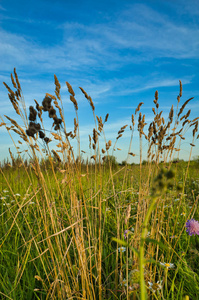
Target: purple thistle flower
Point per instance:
(192, 227)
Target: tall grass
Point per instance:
(72, 229)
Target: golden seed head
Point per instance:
(70, 89)
(106, 118)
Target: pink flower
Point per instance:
(192, 227)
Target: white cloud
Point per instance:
(145, 34)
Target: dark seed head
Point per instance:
(41, 134)
(57, 127)
(47, 140)
(30, 132)
(52, 112)
(46, 103)
(33, 114)
(37, 126)
(57, 121)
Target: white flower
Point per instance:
(17, 195)
(3, 198)
(122, 249)
(124, 282)
(167, 265)
(155, 286)
(5, 191)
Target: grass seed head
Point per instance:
(33, 114)
(70, 89)
(46, 103)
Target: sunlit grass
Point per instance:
(74, 229)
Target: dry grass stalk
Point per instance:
(139, 106)
(70, 89)
(56, 156)
(22, 132)
(180, 88)
(119, 136)
(72, 98)
(131, 153)
(90, 141)
(57, 87)
(88, 98)
(13, 81)
(128, 214)
(17, 81)
(132, 120)
(106, 118)
(100, 123)
(95, 136)
(183, 106)
(87, 261)
(108, 145)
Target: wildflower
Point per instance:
(192, 227)
(173, 236)
(125, 233)
(134, 287)
(167, 265)
(5, 191)
(17, 195)
(183, 214)
(122, 249)
(154, 286)
(3, 198)
(124, 282)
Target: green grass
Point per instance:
(63, 219)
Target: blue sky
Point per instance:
(120, 52)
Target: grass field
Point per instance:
(74, 229)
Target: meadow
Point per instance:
(96, 229)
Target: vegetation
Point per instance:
(96, 229)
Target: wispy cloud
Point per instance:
(2, 8)
(119, 59)
(141, 31)
(155, 84)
